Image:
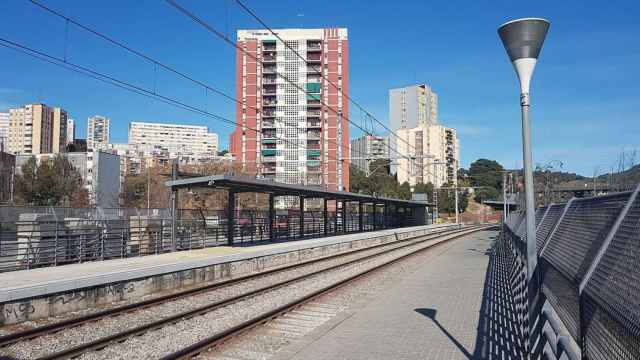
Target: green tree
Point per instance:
(53, 182)
(486, 174)
(447, 200)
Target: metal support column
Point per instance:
(344, 216)
(360, 216)
(231, 212)
(335, 219)
(271, 216)
(301, 216)
(324, 217)
(174, 205)
(387, 211)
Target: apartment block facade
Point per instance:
(71, 131)
(98, 132)
(36, 129)
(292, 125)
(4, 130)
(173, 139)
(368, 148)
(429, 153)
(100, 173)
(410, 106)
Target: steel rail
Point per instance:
(105, 341)
(220, 337)
(29, 334)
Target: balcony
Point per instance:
(268, 124)
(270, 79)
(314, 123)
(269, 70)
(316, 169)
(269, 152)
(269, 170)
(313, 144)
(314, 70)
(314, 103)
(313, 57)
(269, 101)
(314, 45)
(313, 134)
(269, 58)
(313, 113)
(269, 45)
(270, 159)
(268, 113)
(313, 154)
(268, 134)
(269, 89)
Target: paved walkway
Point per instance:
(445, 310)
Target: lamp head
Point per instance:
(523, 39)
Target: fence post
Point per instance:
(55, 247)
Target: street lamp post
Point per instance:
(523, 39)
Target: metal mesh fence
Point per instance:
(547, 224)
(594, 241)
(611, 307)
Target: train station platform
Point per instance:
(50, 291)
(452, 307)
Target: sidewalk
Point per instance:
(451, 308)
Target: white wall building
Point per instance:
(100, 172)
(430, 153)
(71, 130)
(173, 139)
(366, 149)
(410, 106)
(98, 132)
(4, 129)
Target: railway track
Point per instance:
(296, 274)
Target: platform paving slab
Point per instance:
(434, 313)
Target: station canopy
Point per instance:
(248, 184)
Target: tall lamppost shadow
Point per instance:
(431, 314)
(497, 334)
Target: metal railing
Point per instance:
(45, 236)
(587, 283)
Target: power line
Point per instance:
(156, 63)
(255, 16)
(226, 39)
(117, 82)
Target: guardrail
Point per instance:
(587, 284)
(39, 237)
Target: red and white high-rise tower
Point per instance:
(303, 136)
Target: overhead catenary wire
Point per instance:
(338, 88)
(117, 82)
(156, 63)
(226, 39)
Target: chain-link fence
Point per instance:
(587, 283)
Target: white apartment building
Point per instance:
(100, 173)
(430, 153)
(36, 129)
(173, 139)
(4, 129)
(410, 106)
(366, 149)
(98, 132)
(71, 130)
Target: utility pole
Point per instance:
(455, 177)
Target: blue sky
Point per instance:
(585, 92)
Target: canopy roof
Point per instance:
(249, 184)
